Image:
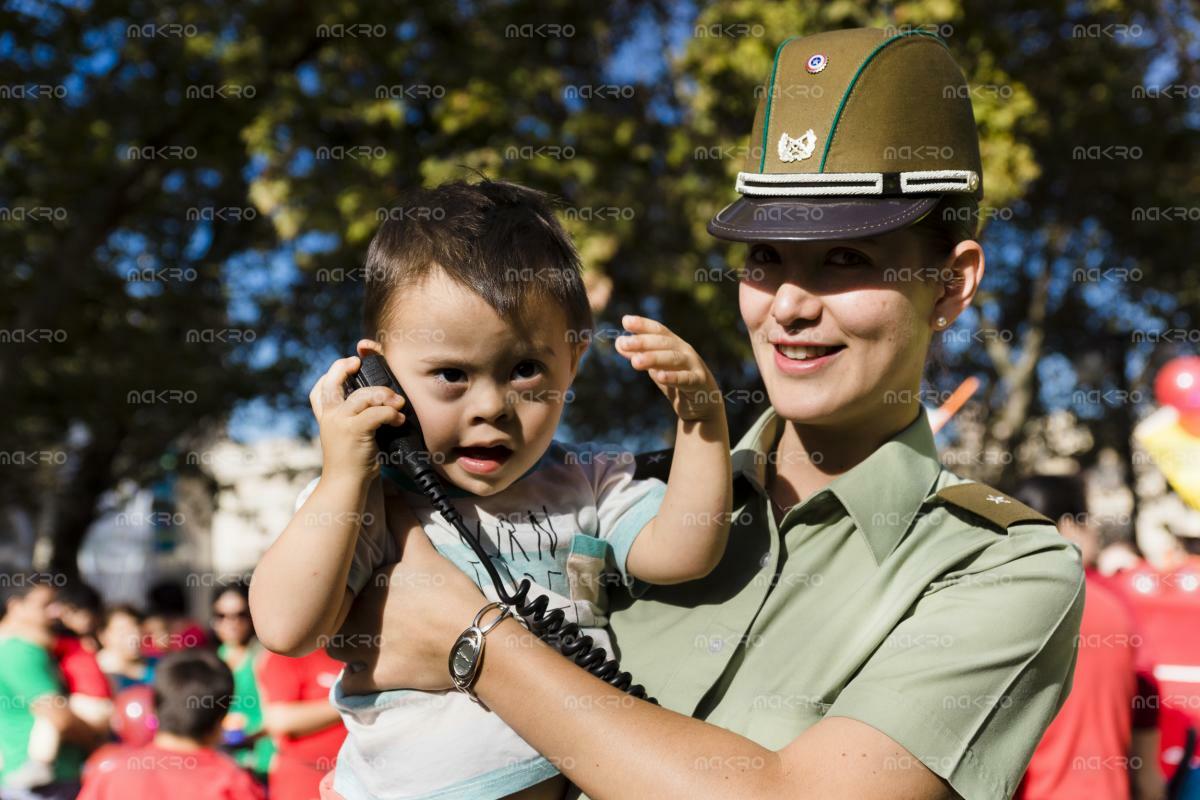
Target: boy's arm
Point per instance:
(294, 586)
(297, 592)
(687, 537)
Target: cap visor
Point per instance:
(763, 219)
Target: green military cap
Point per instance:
(858, 132)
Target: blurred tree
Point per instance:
(190, 189)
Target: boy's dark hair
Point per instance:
(167, 599)
(192, 693)
(80, 595)
(15, 583)
(1056, 496)
(498, 239)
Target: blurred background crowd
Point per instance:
(141, 703)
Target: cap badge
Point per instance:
(797, 149)
(816, 63)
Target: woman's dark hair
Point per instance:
(122, 608)
(954, 219)
(498, 239)
(1056, 496)
(238, 587)
(192, 693)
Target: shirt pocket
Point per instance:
(585, 570)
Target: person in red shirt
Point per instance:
(1090, 750)
(192, 690)
(76, 610)
(307, 729)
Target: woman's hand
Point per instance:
(674, 365)
(402, 625)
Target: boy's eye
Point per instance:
(450, 375)
(845, 257)
(527, 369)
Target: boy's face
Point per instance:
(488, 392)
(32, 609)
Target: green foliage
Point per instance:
(343, 118)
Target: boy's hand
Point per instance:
(348, 424)
(674, 365)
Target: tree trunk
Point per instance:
(75, 500)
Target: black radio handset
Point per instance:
(403, 446)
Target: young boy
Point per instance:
(192, 691)
(476, 301)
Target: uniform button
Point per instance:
(766, 559)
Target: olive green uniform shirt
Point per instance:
(953, 631)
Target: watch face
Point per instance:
(464, 656)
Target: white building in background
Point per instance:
(212, 520)
(257, 486)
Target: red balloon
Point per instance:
(1178, 384)
(133, 719)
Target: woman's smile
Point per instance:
(800, 360)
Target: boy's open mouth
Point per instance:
(482, 460)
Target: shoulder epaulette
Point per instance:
(993, 505)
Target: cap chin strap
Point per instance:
(881, 184)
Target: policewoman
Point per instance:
(878, 627)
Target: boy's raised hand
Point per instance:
(348, 424)
(674, 365)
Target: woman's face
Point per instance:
(840, 329)
(124, 635)
(231, 619)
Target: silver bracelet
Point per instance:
(466, 656)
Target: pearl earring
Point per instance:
(942, 322)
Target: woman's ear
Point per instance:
(369, 347)
(962, 271)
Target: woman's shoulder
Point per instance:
(989, 531)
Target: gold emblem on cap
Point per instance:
(797, 149)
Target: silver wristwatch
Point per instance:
(466, 656)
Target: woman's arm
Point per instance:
(608, 743)
(614, 746)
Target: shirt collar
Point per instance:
(882, 494)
